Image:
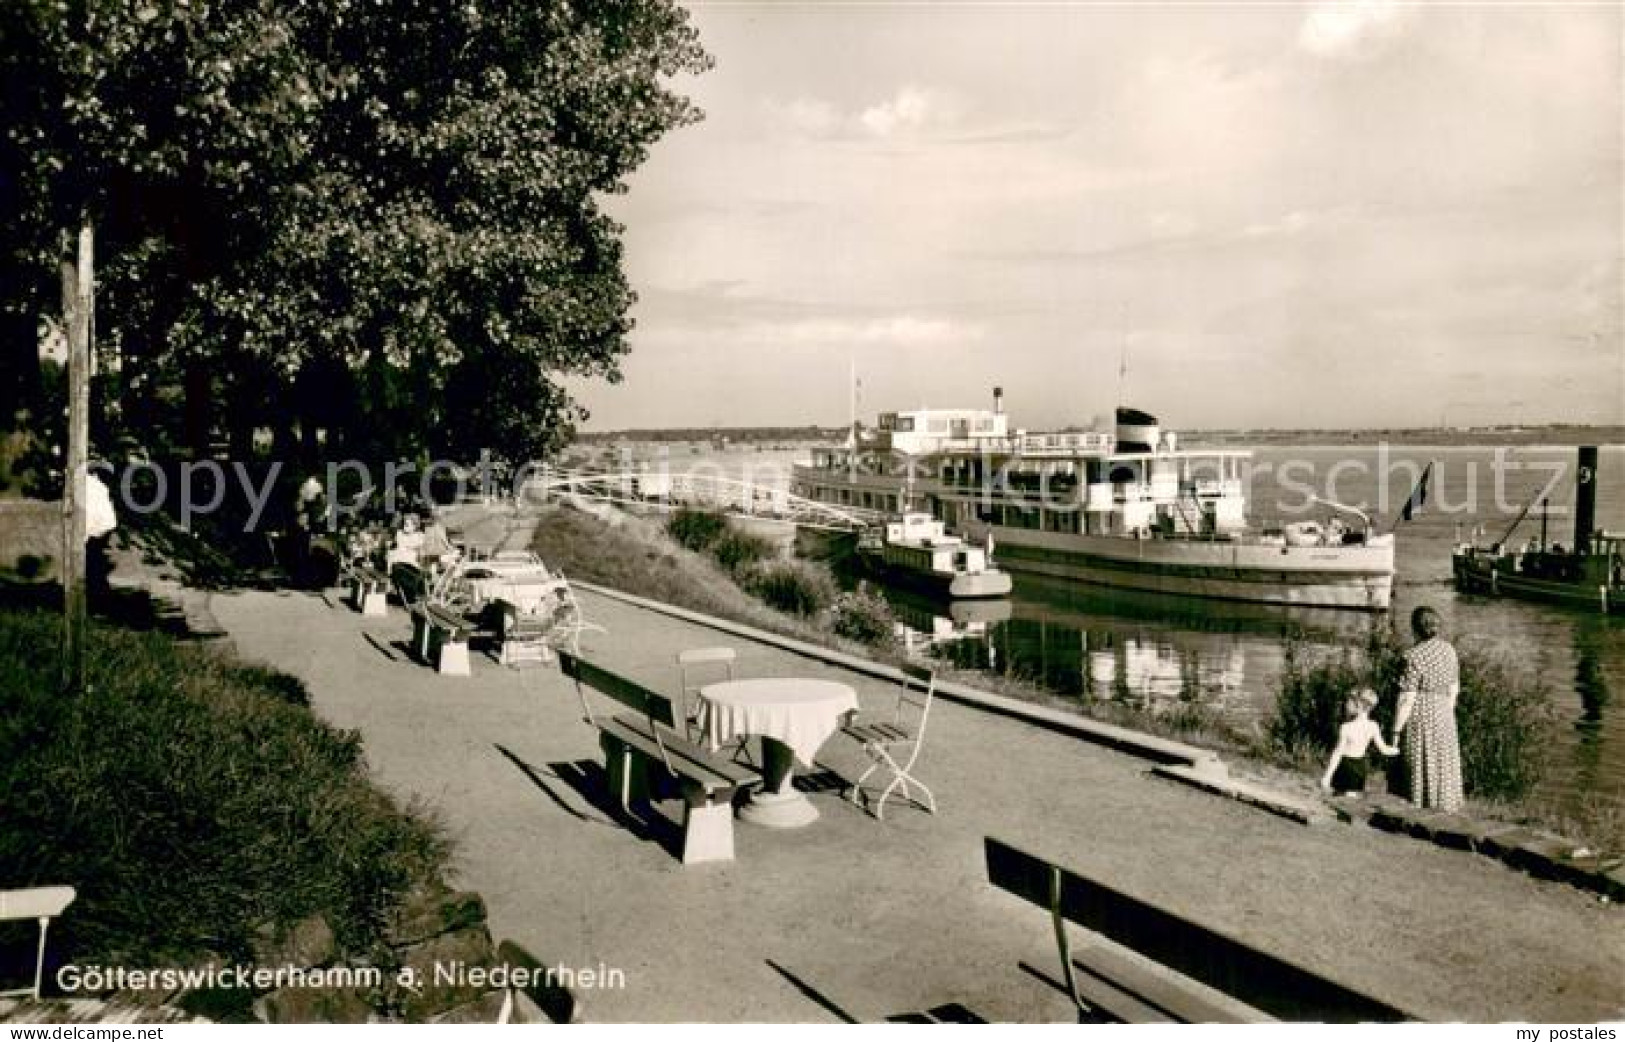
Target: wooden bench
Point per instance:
(545, 995)
(644, 748)
(369, 590)
(1189, 961)
(440, 637)
(411, 585)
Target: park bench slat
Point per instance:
(459, 626)
(558, 1002)
(1266, 982)
(692, 763)
(1101, 990)
(628, 692)
(409, 582)
(1166, 997)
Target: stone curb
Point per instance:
(177, 604)
(1540, 854)
(1220, 783)
(1162, 750)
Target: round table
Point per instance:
(793, 717)
(529, 594)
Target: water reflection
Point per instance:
(929, 625)
(1590, 682)
(1089, 649)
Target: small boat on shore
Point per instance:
(1589, 573)
(917, 550)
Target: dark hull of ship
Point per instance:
(1496, 577)
(955, 587)
(1357, 578)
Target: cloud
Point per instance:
(806, 117)
(1291, 224)
(1351, 28)
(725, 325)
(897, 330)
(1169, 224)
(911, 109)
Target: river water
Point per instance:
(1085, 641)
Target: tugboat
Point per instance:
(918, 551)
(1588, 574)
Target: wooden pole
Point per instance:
(78, 297)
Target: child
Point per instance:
(1345, 775)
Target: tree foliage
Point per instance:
(381, 217)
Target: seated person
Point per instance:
(408, 542)
(437, 544)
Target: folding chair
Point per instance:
(695, 660)
(569, 621)
(43, 903)
(888, 742)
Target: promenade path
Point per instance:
(866, 919)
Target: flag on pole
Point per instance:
(1419, 495)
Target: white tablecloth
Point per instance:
(800, 713)
(528, 594)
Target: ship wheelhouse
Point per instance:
(1166, 494)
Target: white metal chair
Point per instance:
(701, 660)
(570, 622)
(895, 744)
(43, 903)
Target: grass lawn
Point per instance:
(192, 799)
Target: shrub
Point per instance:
(864, 616)
(792, 586)
(698, 530)
(1309, 704)
(738, 551)
(190, 799)
(1505, 724)
(1503, 721)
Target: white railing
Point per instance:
(664, 491)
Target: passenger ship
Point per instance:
(1130, 510)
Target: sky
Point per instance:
(1358, 213)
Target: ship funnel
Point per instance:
(998, 401)
(1136, 431)
(1585, 499)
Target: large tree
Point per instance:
(379, 217)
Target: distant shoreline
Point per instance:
(1553, 435)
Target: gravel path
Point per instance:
(873, 919)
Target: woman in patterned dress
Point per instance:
(1427, 703)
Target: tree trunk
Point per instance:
(199, 384)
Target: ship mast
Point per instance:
(852, 417)
(1122, 352)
